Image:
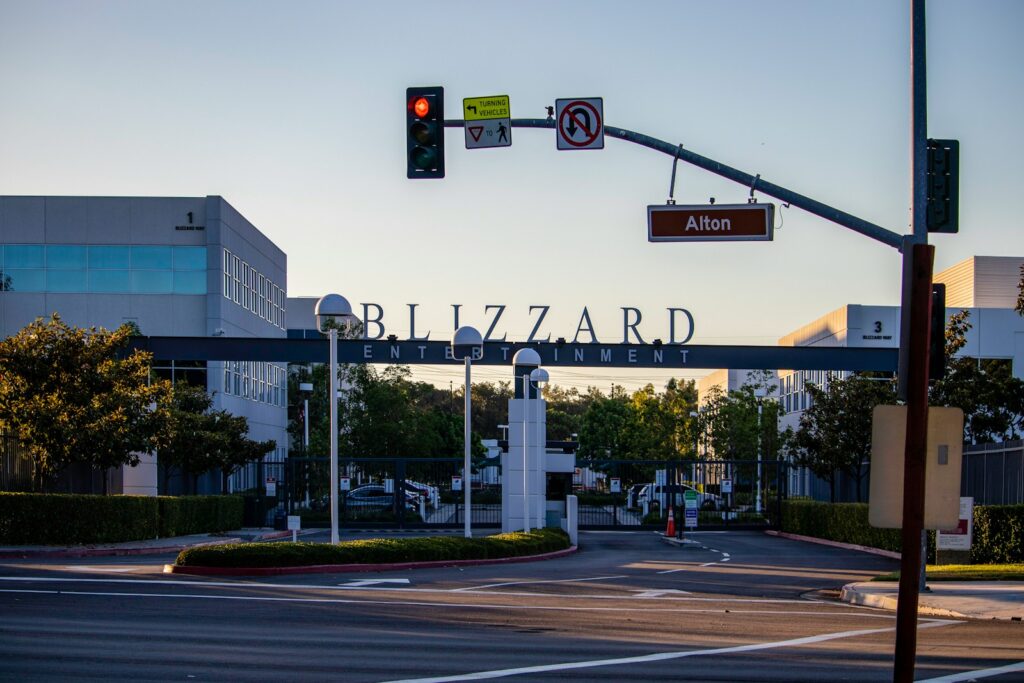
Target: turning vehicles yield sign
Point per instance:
(580, 123)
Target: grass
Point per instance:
(966, 572)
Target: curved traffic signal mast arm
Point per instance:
(866, 228)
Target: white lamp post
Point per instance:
(526, 361)
(332, 310)
(467, 343)
(537, 378)
(759, 392)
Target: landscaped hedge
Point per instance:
(843, 522)
(180, 516)
(998, 534)
(998, 529)
(58, 519)
(376, 550)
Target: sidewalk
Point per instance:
(973, 599)
(152, 546)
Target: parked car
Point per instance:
(655, 494)
(376, 497)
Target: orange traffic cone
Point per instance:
(670, 528)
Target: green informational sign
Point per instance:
(690, 497)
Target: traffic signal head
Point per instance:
(943, 186)
(424, 132)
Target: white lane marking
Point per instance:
(468, 589)
(660, 593)
(657, 657)
(116, 570)
(415, 603)
(708, 564)
(306, 586)
(724, 559)
(980, 673)
(673, 571)
(363, 583)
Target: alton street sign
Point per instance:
(488, 121)
(579, 123)
(710, 223)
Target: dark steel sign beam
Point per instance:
(669, 357)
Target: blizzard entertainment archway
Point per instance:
(614, 494)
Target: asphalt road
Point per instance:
(744, 607)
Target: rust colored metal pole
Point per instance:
(914, 463)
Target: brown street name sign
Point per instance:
(711, 223)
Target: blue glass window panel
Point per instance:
(190, 282)
(151, 281)
(190, 258)
(115, 258)
(65, 280)
(65, 257)
(33, 280)
(151, 258)
(1, 256)
(112, 281)
(24, 256)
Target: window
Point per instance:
(188, 258)
(151, 258)
(108, 258)
(65, 280)
(66, 257)
(190, 282)
(23, 256)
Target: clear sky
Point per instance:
(294, 112)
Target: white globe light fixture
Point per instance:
(331, 311)
(467, 344)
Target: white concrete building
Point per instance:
(175, 266)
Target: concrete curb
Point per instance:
(835, 544)
(109, 552)
(341, 568)
(852, 595)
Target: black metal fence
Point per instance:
(709, 495)
(386, 492)
(15, 465)
(993, 473)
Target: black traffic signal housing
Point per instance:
(943, 209)
(937, 347)
(424, 132)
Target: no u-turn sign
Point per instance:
(579, 123)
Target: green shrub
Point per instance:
(58, 518)
(998, 534)
(376, 550)
(998, 529)
(843, 522)
(184, 515)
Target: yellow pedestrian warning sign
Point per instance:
(487, 121)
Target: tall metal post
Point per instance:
(332, 339)
(918, 262)
(526, 454)
(467, 483)
(757, 503)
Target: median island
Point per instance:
(373, 552)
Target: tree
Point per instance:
(985, 389)
(6, 284)
(68, 397)
(1019, 307)
(201, 439)
(835, 431)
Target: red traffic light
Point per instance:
(421, 107)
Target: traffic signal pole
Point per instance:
(916, 302)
